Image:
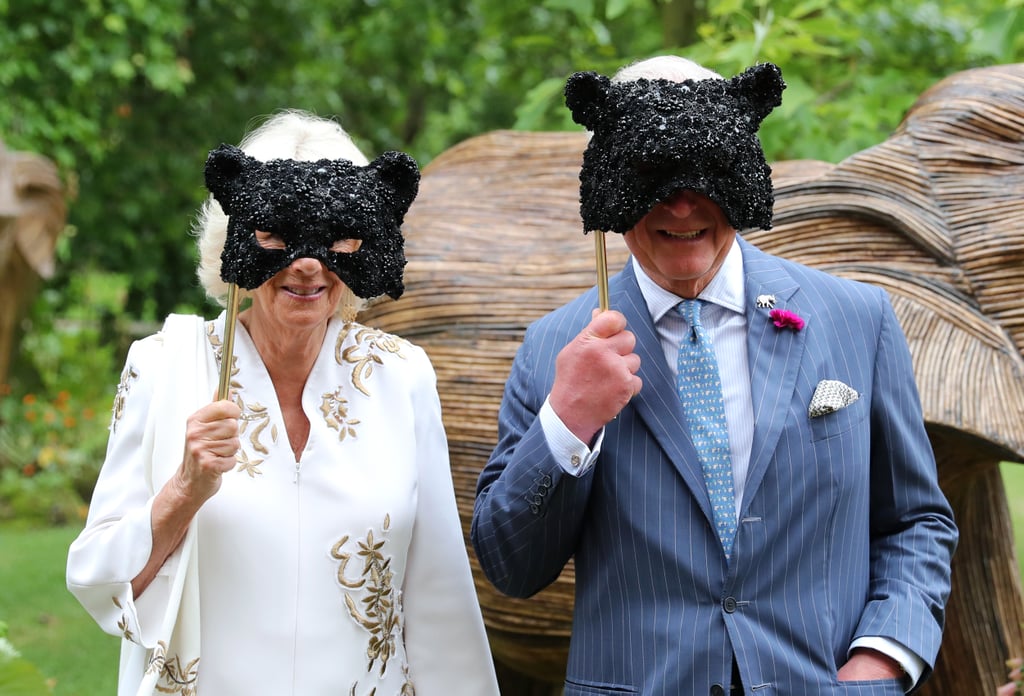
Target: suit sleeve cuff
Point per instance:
(912, 664)
(572, 455)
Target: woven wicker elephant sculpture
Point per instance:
(32, 214)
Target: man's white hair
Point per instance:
(675, 68)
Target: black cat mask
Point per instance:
(651, 138)
(310, 206)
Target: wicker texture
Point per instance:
(32, 215)
(935, 214)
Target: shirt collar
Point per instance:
(726, 289)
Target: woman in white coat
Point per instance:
(300, 537)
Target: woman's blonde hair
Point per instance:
(290, 134)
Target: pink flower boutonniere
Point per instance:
(784, 319)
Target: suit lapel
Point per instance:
(658, 404)
(774, 355)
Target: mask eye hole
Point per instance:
(346, 246)
(269, 240)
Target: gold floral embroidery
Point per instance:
(249, 466)
(177, 679)
(380, 612)
(128, 375)
(258, 414)
(158, 658)
(374, 342)
(407, 689)
(174, 678)
(218, 350)
(407, 686)
(123, 624)
(335, 409)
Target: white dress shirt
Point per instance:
(725, 321)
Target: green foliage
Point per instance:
(18, 676)
(67, 64)
(438, 72)
(52, 431)
(853, 67)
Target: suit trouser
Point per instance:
(736, 688)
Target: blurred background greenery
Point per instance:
(128, 96)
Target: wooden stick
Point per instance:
(602, 270)
(228, 348)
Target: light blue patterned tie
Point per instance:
(700, 390)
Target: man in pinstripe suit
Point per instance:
(834, 574)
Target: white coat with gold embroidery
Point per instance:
(341, 573)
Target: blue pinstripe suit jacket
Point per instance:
(843, 530)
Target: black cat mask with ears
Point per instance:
(310, 206)
(651, 138)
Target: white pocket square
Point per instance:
(829, 396)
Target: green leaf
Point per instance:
(725, 8)
(531, 114)
(999, 34)
(115, 24)
(582, 9)
(807, 8)
(122, 69)
(614, 9)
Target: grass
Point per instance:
(45, 623)
(1013, 478)
(52, 630)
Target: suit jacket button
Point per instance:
(717, 690)
(729, 604)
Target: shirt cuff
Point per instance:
(571, 453)
(911, 663)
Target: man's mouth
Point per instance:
(680, 234)
(304, 292)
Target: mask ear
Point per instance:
(400, 175)
(759, 87)
(586, 95)
(223, 168)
